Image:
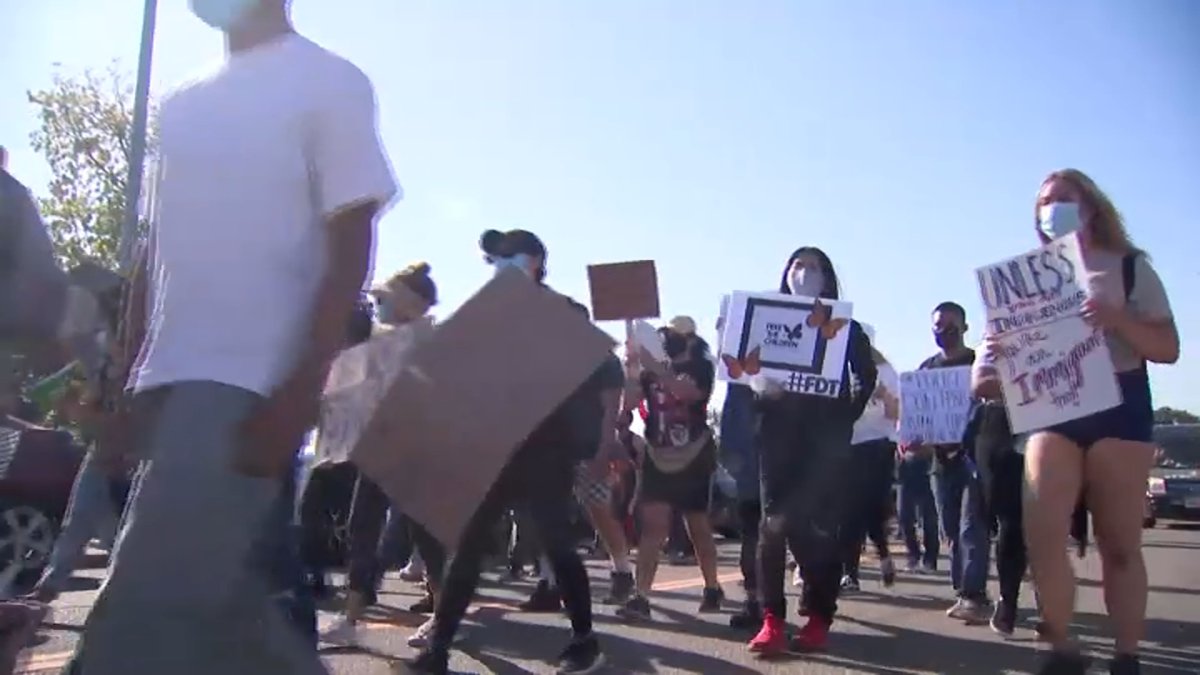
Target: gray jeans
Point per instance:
(184, 595)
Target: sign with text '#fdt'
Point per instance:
(799, 342)
(1053, 366)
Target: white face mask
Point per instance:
(221, 14)
(1059, 219)
(806, 282)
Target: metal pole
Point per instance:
(137, 141)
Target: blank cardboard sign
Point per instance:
(625, 290)
(468, 396)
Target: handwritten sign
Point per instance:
(624, 290)
(1053, 367)
(799, 342)
(934, 404)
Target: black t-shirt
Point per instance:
(670, 422)
(944, 453)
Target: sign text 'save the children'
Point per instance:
(798, 342)
(1053, 366)
(934, 405)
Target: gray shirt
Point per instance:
(1147, 298)
(33, 286)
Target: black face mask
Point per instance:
(948, 338)
(674, 345)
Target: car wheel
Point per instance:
(27, 538)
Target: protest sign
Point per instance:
(625, 290)
(1053, 366)
(357, 381)
(797, 341)
(466, 398)
(934, 404)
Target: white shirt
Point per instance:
(254, 159)
(874, 424)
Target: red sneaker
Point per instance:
(772, 638)
(813, 637)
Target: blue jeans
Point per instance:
(964, 527)
(186, 592)
(916, 503)
(90, 513)
(279, 554)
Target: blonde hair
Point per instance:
(1107, 228)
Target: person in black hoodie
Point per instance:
(805, 458)
(540, 478)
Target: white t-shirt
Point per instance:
(874, 424)
(254, 159)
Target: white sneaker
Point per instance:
(797, 579)
(414, 571)
(342, 633)
(424, 633)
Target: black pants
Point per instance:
(804, 487)
(750, 519)
(1008, 476)
(368, 512)
(539, 481)
(869, 488)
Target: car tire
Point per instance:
(27, 536)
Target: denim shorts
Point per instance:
(1132, 420)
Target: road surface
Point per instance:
(880, 631)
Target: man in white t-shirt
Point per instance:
(270, 177)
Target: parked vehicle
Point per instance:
(1173, 490)
(37, 470)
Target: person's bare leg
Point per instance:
(700, 531)
(1116, 476)
(656, 520)
(612, 535)
(1053, 480)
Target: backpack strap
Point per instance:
(1128, 274)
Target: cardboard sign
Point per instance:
(1055, 367)
(796, 341)
(626, 290)
(934, 404)
(465, 399)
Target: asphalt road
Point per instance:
(881, 631)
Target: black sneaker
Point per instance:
(636, 608)
(620, 588)
(711, 602)
(422, 606)
(1004, 619)
(580, 657)
(1064, 663)
(749, 617)
(1125, 664)
(427, 662)
(544, 599)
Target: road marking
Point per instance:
(38, 664)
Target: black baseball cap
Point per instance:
(497, 244)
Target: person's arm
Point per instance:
(1145, 322)
(985, 379)
(353, 183)
(612, 385)
(862, 362)
(687, 387)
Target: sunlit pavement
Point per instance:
(880, 631)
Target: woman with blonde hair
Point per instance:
(1107, 456)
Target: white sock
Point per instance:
(620, 564)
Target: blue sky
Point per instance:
(906, 139)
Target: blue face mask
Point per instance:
(221, 14)
(1059, 219)
(520, 261)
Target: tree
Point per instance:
(84, 136)
(1167, 415)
